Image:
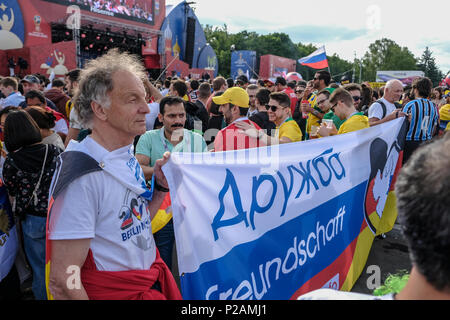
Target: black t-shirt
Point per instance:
(262, 120)
(21, 172)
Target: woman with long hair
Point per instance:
(27, 174)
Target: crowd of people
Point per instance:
(82, 160)
(130, 8)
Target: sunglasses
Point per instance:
(334, 106)
(316, 78)
(273, 108)
(321, 101)
(356, 98)
(299, 91)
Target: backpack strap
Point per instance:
(384, 108)
(70, 166)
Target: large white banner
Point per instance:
(275, 222)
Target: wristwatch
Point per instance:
(160, 188)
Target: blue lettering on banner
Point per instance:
(319, 172)
(281, 260)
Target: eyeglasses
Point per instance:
(299, 91)
(321, 101)
(334, 106)
(273, 108)
(356, 98)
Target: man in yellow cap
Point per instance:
(234, 104)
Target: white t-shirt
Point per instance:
(74, 120)
(330, 294)
(151, 117)
(61, 126)
(97, 206)
(55, 140)
(376, 110)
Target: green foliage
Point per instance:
(383, 54)
(394, 284)
(428, 65)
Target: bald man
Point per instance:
(392, 93)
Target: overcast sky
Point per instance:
(344, 27)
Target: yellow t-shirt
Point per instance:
(356, 122)
(290, 129)
(444, 112)
(448, 127)
(311, 121)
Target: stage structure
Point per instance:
(45, 36)
(183, 37)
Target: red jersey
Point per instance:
(291, 93)
(230, 138)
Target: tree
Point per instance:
(277, 43)
(428, 65)
(385, 54)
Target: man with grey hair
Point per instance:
(99, 222)
(385, 109)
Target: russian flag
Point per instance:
(316, 60)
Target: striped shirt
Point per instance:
(424, 119)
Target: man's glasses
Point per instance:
(321, 101)
(273, 108)
(299, 91)
(356, 98)
(316, 78)
(334, 106)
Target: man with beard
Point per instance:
(234, 104)
(153, 144)
(251, 90)
(320, 81)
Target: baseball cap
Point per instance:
(236, 96)
(30, 79)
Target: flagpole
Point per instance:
(329, 70)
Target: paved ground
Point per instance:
(390, 254)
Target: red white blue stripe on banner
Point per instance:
(316, 60)
(275, 230)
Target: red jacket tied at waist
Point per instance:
(130, 284)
